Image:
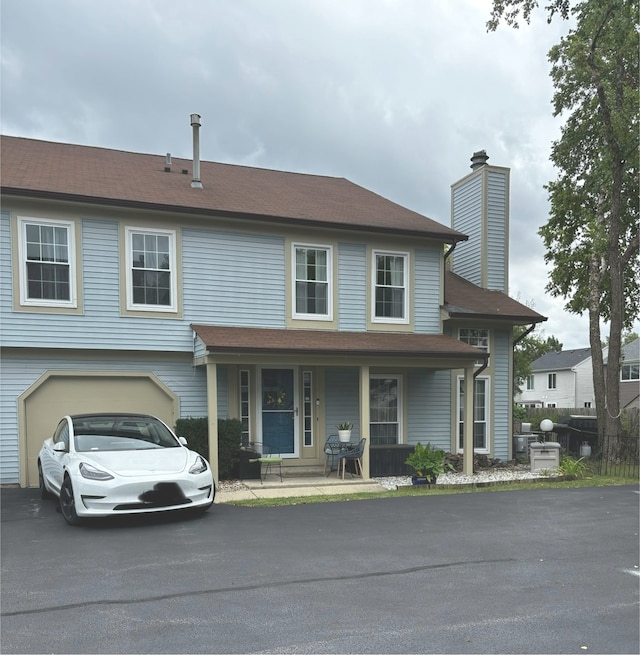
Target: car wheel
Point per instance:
(44, 493)
(67, 503)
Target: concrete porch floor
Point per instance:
(296, 485)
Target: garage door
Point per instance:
(60, 394)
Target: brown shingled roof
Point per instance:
(463, 299)
(114, 177)
(223, 339)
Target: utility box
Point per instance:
(544, 456)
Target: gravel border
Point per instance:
(506, 474)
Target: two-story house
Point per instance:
(145, 283)
(560, 379)
(629, 375)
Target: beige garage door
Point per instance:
(60, 394)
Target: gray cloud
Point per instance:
(393, 94)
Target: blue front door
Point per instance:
(279, 410)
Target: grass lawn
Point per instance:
(589, 480)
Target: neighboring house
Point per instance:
(134, 282)
(630, 375)
(560, 379)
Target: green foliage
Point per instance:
(196, 431)
(426, 461)
(592, 236)
(345, 425)
(571, 466)
(527, 350)
(510, 10)
(519, 413)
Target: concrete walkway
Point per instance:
(289, 487)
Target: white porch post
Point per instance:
(212, 406)
(364, 418)
(467, 458)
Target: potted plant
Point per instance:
(344, 431)
(427, 462)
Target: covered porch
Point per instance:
(292, 387)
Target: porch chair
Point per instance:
(267, 458)
(354, 454)
(331, 448)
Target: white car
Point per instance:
(110, 464)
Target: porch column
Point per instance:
(467, 458)
(364, 418)
(212, 407)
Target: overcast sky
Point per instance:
(394, 95)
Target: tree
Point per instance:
(526, 350)
(592, 235)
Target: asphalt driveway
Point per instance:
(541, 571)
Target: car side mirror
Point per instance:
(182, 440)
(60, 447)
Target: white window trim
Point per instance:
(374, 270)
(478, 362)
(487, 382)
(131, 306)
(301, 315)
(23, 221)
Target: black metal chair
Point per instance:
(267, 458)
(331, 449)
(355, 454)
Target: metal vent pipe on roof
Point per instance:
(195, 124)
(480, 158)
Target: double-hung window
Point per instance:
(151, 269)
(313, 282)
(630, 372)
(551, 381)
(481, 410)
(476, 338)
(47, 262)
(390, 287)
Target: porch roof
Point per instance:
(225, 339)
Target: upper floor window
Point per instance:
(151, 269)
(47, 262)
(630, 372)
(530, 383)
(476, 338)
(390, 287)
(313, 288)
(551, 381)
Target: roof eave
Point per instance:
(451, 237)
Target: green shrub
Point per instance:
(196, 432)
(571, 466)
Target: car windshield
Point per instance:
(105, 432)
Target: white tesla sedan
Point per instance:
(109, 464)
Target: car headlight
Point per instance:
(200, 466)
(93, 473)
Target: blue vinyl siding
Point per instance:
(501, 393)
(100, 271)
(6, 285)
(467, 218)
(352, 287)
(233, 279)
(429, 408)
(342, 389)
(426, 293)
(497, 237)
